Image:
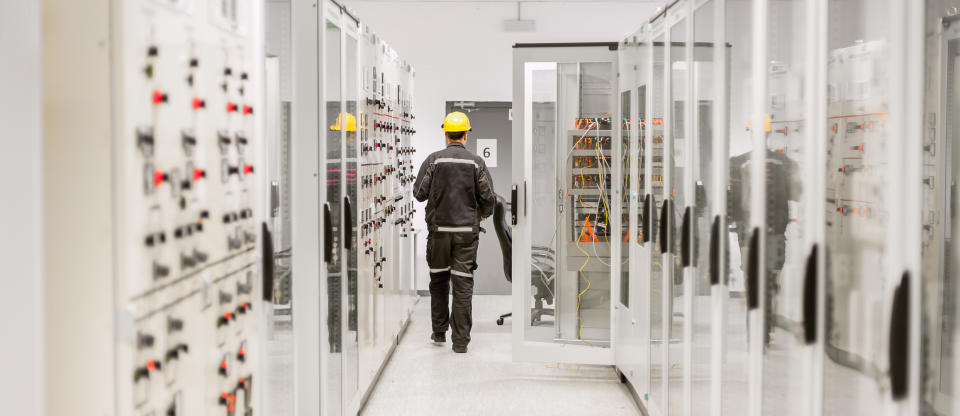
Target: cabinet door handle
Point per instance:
(347, 223)
(647, 218)
(899, 349)
(810, 298)
(665, 226)
(753, 271)
(268, 262)
(513, 205)
(327, 234)
(715, 252)
(686, 254)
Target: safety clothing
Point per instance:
(459, 189)
(351, 122)
(452, 257)
(459, 193)
(456, 121)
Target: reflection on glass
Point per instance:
(626, 125)
(334, 168)
(858, 286)
(786, 251)
(542, 78)
(677, 179)
(657, 328)
(738, 15)
(350, 128)
(701, 168)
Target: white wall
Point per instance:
(460, 52)
(21, 213)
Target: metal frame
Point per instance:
(533, 351)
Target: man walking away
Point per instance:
(459, 194)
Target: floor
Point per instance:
(425, 379)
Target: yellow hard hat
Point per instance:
(456, 121)
(351, 122)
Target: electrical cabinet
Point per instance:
(170, 104)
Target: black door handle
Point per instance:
(327, 234)
(268, 262)
(347, 224)
(513, 205)
(686, 254)
(899, 349)
(753, 271)
(647, 218)
(715, 252)
(810, 298)
(665, 226)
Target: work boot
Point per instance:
(439, 337)
(460, 349)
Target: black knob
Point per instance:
(174, 324)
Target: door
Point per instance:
(565, 197)
(492, 126)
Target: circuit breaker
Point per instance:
(184, 204)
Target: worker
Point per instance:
(459, 193)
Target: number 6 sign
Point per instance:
(487, 149)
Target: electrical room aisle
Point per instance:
(424, 379)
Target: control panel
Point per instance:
(185, 211)
(386, 164)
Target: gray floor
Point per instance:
(424, 379)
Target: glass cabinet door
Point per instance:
(703, 205)
(351, 215)
(658, 318)
(568, 201)
(788, 245)
(738, 235)
(332, 213)
(671, 217)
(862, 275)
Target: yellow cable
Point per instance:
(602, 199)
(580, 272)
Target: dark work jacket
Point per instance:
(458, 188)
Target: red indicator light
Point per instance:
(247, 169)
(866, 212)
(198, 103)
(198, 174)
(247, 109)
(224, 395)
(159, 97)
(860, 148)
(782, 150)
(223, 364)
(231, 107)
(243, 379)
(151, 365)
(869, 126)
(856, 210)
(158, 177)
(241, 352)
(227, 315)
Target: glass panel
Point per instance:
(351, 98)
(786, 248)
(857, 283)
(541, 79)
(585, 106)
(657, 352)
(641, 152)
(738, 16)
(334, 166)
(704, 203)
(625, 127)
(676, 178)
(939, 206)
(278, 335)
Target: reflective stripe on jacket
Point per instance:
(458, 188)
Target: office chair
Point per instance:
(541, 271)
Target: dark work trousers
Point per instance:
(452, 257)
